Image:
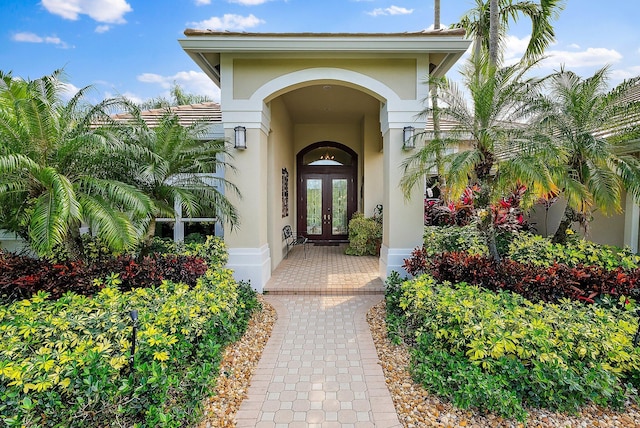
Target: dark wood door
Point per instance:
(327, 201)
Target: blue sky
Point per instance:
(130, 47)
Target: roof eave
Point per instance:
(371, 43)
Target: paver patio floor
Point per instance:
(320, 367)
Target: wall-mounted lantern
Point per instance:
(240, 137)
(408, 140)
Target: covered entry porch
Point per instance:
(323, 95)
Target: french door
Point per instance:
(327, 201)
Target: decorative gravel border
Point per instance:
(239, 361)
(417, 408)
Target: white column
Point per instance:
(249, 254)
(403, 218)
(631, 223)
(178, 228)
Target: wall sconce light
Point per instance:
(241, 137)
(408, 142)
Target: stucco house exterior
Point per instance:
(318, 122)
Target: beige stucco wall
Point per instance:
(406, 231)
(603, 229)
(251, 179)
(348, 134)
(280, 155)
(371, 166)
(251, 72)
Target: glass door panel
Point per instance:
(326, 202)
(314, 206)
(339, 220)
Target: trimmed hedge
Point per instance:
(549, 284)
(499, 352)
(21, 277)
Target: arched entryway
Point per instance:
(327, 191)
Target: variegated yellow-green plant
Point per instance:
(501, 352)
(67, 362)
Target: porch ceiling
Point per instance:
(329, 104)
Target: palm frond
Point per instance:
(112, 225)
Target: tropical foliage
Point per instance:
(502, 156)
(178, 97)
(365, 235)
(69, 362)
(598, 130)
(487, 23)
(55, 174)
(67, 166)
(179, 166)
(557, 356)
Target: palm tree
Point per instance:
(598, 129)
(489, 21)
(503, 152)
(54, 167)
(180, 166)
(178, 98)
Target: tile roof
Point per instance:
(208, 112)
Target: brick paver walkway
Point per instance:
(325, 270)
(320, 367)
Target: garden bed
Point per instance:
(418, 408)
(126, 355)
(238, 364)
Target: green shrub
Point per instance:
(440, 239)
(539, 251)
(212, 250)
(557, 356)
(365, 236)
(66, 362)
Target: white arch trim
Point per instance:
(254, 112)
(319, 75)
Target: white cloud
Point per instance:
(102, 28)
(109, 11)
(514, 48)
(392, 10)
(248, 2)
(574, 46)
(626, 73)
(576, 58)
(590, 57)
(28, 37)
(134, 98)
(194, 82)
(228, 22)
(202, 2)
(69, 90)
(432, 27)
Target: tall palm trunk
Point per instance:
(569, 217)
(434, 105)
(151, 232)
(494, 25)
